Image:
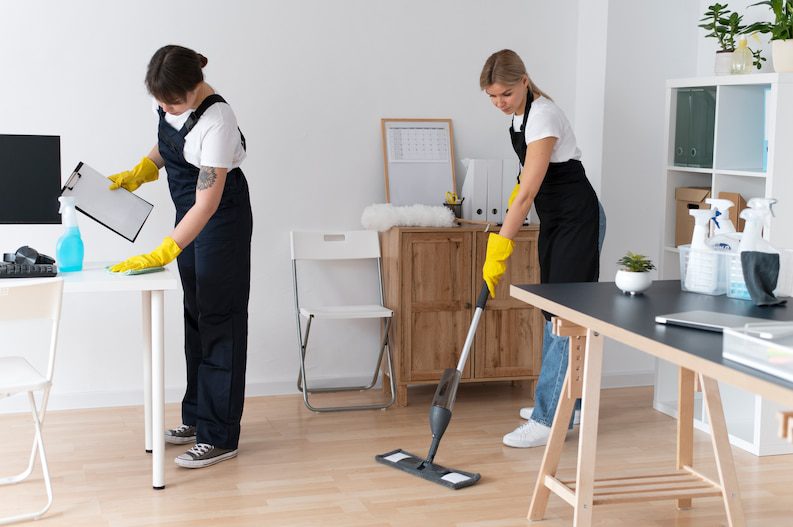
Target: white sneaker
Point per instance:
(525, 413)
(527, 435)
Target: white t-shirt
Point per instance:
(215, 139)
(547, 120)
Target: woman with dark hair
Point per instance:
(572, 222)
(201, 148)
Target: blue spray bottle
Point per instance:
(69, 251)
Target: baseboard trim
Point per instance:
(111, 399)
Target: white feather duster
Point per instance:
(383, 216)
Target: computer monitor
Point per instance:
(30, 172)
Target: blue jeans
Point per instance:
(554, 360)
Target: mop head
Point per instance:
(407, 462)
(383, 216)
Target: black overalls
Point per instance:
(215, 272)
(569, 218)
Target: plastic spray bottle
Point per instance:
(70, 250)
(702, 270)
(724, 236)
(756, 220)
(764, 204)
(760, 261)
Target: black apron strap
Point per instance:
(196, 115)
(518, 137)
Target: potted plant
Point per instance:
(724, 25)
(633, 276)
(781, 31)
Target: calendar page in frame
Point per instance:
(418, 156)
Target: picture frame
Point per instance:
(418, 160)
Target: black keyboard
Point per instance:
(14, 270)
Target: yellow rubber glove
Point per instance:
(143, 172)
(162, 255)
(513, 195)
(498, 251)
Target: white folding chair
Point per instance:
(350, 245)
(29, 300)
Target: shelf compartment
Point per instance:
(740, 127)
(747, 187)
(681, 178)
(694, 125)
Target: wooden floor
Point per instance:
(297, 468)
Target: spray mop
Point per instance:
(440, 415)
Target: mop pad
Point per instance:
(383, 216)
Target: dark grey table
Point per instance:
(588, 312)
(631, 319)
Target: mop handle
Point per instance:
(481, 302)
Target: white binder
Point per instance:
(495, 210)
(487, 187)
(474, 190)
(120, 210)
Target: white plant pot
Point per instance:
(632, 283)
(723, 64)
(782, 55)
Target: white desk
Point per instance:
(95, 279)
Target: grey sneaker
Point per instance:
(203, 455)
(180, 435)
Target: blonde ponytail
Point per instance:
(506, 67)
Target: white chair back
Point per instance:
(335, 245)
(34, 299)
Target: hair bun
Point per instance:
(202, 59)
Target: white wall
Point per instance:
(309, 81)
(648, 43)
(591, 53)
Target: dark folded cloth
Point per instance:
(760, 273)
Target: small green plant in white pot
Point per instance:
(781, 31)
(633, 276)
(723, 25)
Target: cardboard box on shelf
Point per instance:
(687, 198)
(740, 204)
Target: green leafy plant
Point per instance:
(782, 26)
(635, 263)
(757, 58)
(724, 25)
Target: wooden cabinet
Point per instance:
(432, 278)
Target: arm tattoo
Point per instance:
(206, 178)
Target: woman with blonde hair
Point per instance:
(572, 222)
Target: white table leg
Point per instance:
(146, 317)
(158, 388)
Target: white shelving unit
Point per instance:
(749, 109)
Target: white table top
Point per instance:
(96, 278)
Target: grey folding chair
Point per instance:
(29, 300)
(349, 245)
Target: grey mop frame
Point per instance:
(440, 415)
